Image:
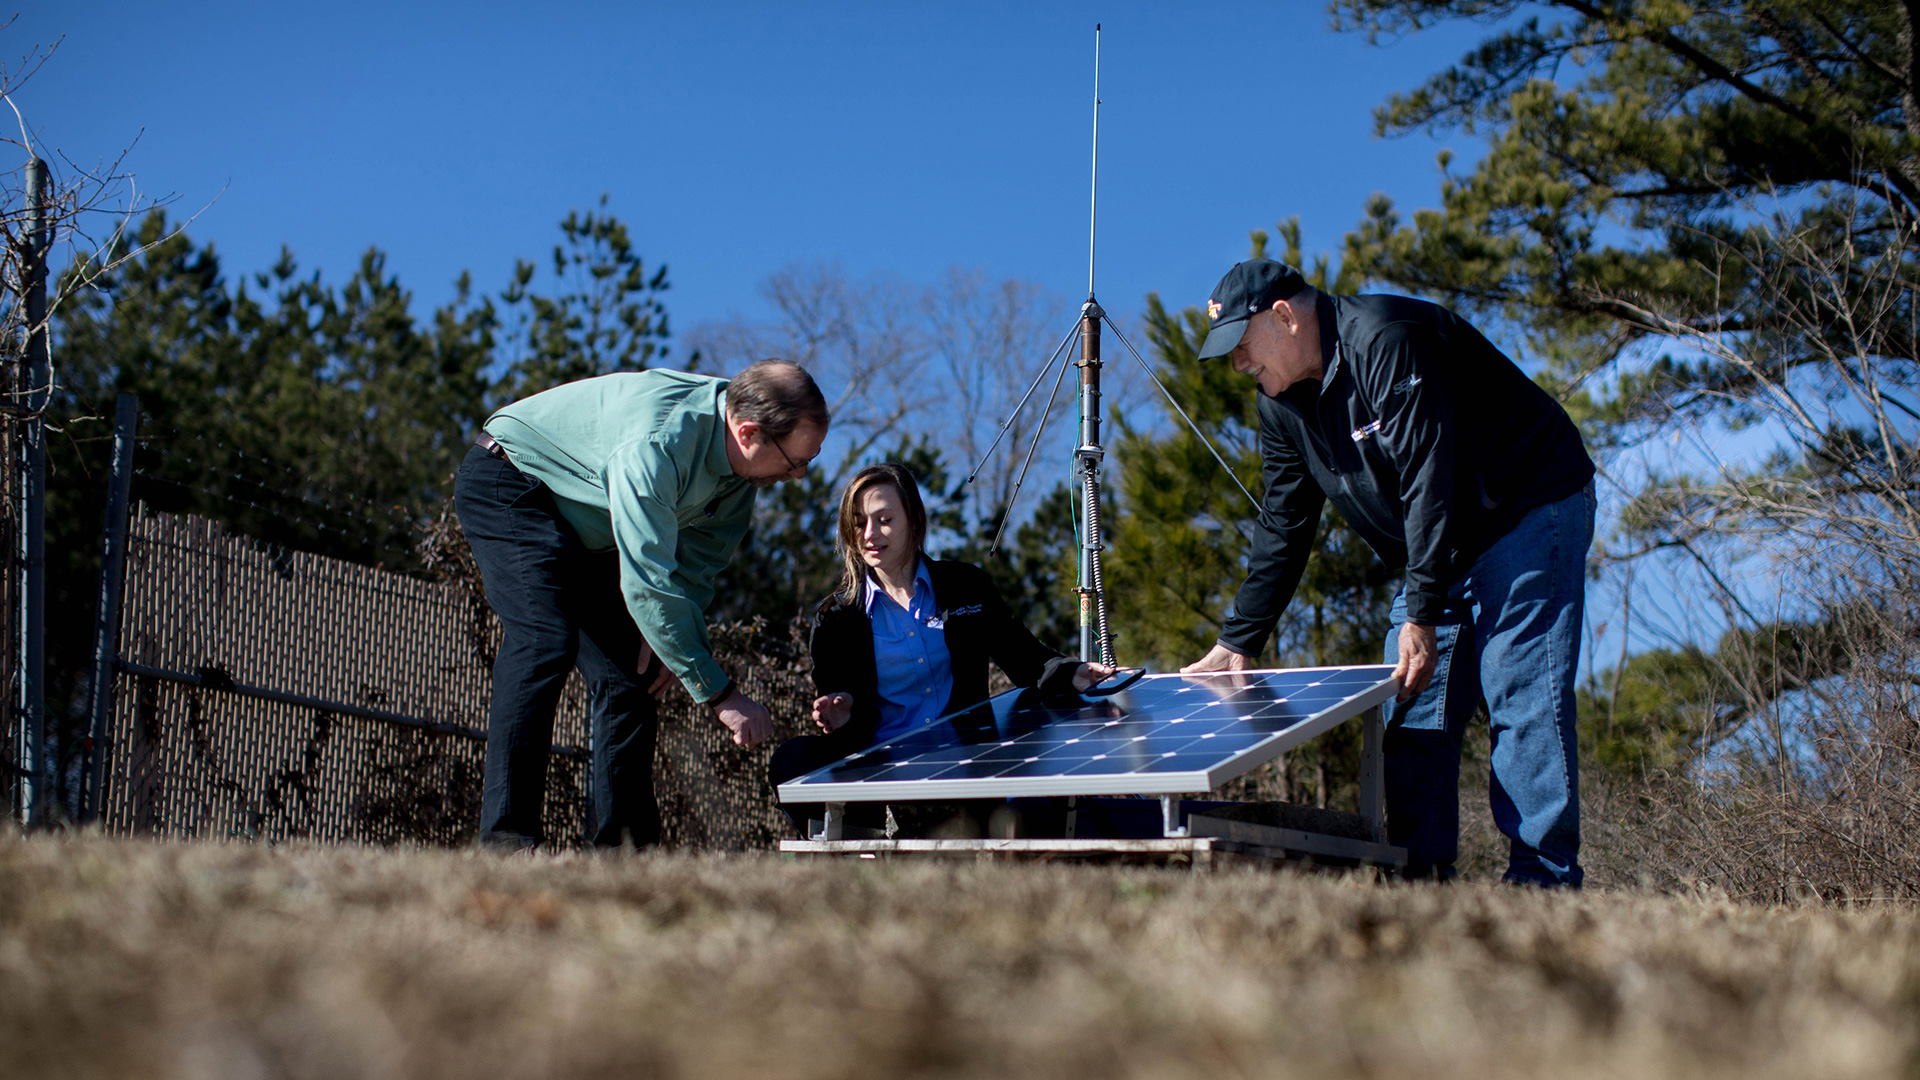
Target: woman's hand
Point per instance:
(830, 713)
(1090, 674)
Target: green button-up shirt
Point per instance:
(637, 461)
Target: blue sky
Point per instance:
(737, 138)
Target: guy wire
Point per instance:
(1015, 414)
(1183, 414)
(1007, 515)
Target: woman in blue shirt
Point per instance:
(905, 638)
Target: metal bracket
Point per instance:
(1170, 826)
(1373, 803)
(1095, 452)
(834, 827)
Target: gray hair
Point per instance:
(778, 396)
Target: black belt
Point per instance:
(494, 449)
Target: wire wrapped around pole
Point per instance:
(1094, 641)
(1096, 577)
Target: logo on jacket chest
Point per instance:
(939, 622)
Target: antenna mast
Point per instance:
(1093, 196)
(1095, 641)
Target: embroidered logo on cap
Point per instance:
(1213, 309)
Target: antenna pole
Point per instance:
(1095, 642)
(1093, 198)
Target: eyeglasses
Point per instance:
(792, 465)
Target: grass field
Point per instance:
(125, 958)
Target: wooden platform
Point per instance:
(1204, 840)
(1210, 842)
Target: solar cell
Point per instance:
(1165, 734)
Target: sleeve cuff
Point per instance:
(1423, 608)
(1247, 641)
(1057, 677)
(706, 681)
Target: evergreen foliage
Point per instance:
(1628, 142)
(605, 316)
(1702, 218)
(326, 418)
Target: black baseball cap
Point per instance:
(1249, 287)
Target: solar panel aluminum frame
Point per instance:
(1160, 783)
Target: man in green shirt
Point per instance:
(599, 513)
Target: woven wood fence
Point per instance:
(272, 694)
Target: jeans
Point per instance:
(560, 606)
(1510, 636)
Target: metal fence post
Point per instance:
(106, 624)
(33, 534)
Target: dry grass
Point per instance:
(125, 958)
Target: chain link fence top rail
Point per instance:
(384, 738)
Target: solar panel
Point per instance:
(1165, 734)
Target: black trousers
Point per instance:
(801, 755)
(559, 606)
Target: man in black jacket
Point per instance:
(1450, 462)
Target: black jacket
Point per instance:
(979, 627)
(1428, 439)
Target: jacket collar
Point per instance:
(1328, 309)
(922, 579)
(717, 462)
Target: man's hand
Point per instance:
(1091, 673)
(1219, 658)
(749, 720)
(1418, 651)
(832, 712)
(661, 680)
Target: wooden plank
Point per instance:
(1201, 854)
(1182, 845)
(1261, 843)
(1296, 840)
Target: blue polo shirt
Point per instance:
(910, 651)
